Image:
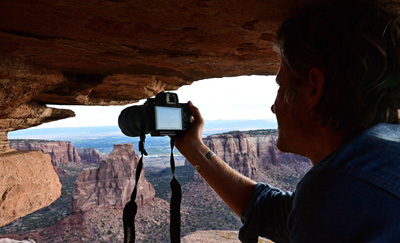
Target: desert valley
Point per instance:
(96, 186)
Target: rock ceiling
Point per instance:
(115, 52)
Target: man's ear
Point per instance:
(316, 81)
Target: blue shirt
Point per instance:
(352, 195)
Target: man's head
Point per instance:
(357, 47)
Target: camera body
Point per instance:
(159, 116)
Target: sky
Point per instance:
(237, 98)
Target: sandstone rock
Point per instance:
(31, 114)
(22, 81)
(60, 151)
(216, 236)
(6, 240)
(27, 183)
(27, 115)
(112, 183)
(90, 155)
(236, 150)
(254, 154)
(118, 52)
(124, 51)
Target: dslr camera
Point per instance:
(159, 116)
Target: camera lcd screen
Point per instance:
(168, 118)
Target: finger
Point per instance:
(195, 112)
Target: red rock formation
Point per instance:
(115, 52)
(112, 183)
(111, 52)
(26, 115)
(236, 150)
(60, 151)
(255, 155)
(90, 155)
(24, 176)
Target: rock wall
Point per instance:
(255, 155)
(112, 183)
(60, 151)
(90, 155)
(236, 150)
(27, 183)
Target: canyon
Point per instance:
(255, 155)
(60, 151)
(100, 193)
(111, 184)
(90, 155)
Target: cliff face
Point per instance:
(237, 151)
(112, 183)
(60, 151)
(255, 155)
(90, 155)
(24, 176)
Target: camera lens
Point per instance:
(129, 120)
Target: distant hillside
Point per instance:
(65, 133)
(68, 133)
(103, 138)
(266, 132)
(221, 126)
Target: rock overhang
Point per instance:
(118, 52)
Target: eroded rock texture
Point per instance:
(255, 155)
(112, 183)
(117, 52)
(120, 51)
(60, 151)
(25, 116)
(90, 155)
(24, 177)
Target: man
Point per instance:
(338, 105)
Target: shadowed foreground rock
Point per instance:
(24, 176)
(6, 240)
(215, 236)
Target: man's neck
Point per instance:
(325, 142)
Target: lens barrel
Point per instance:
(129, 120)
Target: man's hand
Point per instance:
(231, 186)
(193, 137)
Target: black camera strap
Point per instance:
(175, 205)
(130, 209)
